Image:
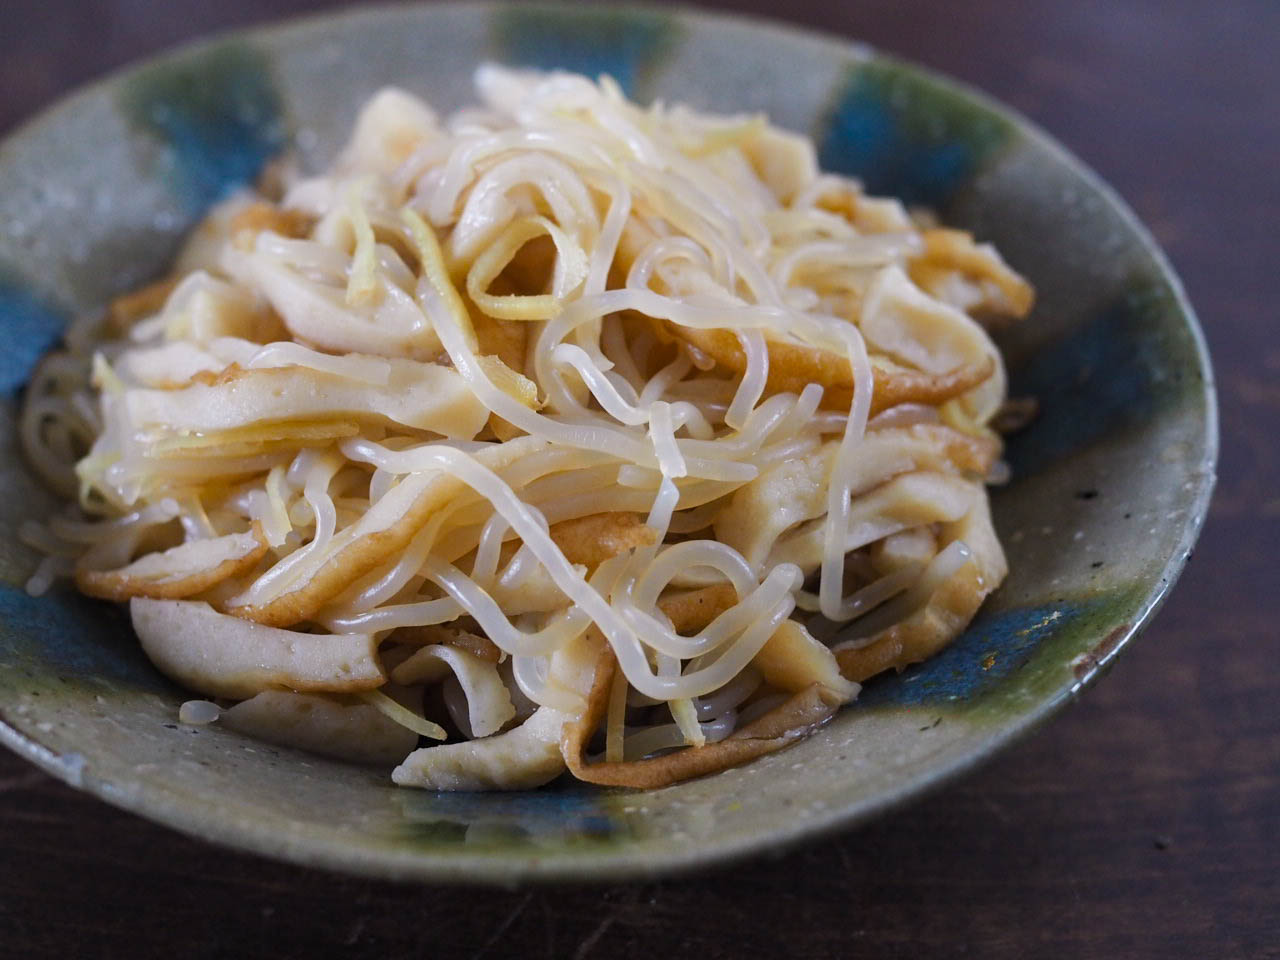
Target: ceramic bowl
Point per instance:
(1109, 487)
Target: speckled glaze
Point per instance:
(1109, 488)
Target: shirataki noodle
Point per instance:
(577, 434)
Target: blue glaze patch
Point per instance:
(1105, 376)
(552, 816)
(994, 646)
(74, 636)
(626, 44)
(218, 115)
(30, 328)
(907, 135)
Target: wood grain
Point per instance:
(1142, 823)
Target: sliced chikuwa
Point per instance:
(489, 705)
(356, 732)
(791, 721)
(383, 531)
(592, 539)
(519, 759)
(793, 366)
(180, 571)
(947, 612)
(792, 660)
(224, 656)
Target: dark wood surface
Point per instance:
(1144, 822)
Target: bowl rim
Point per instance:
(627, 863)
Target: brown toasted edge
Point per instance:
(261, 216)
(117, 586)
(948, 612)
(793, 720)
(793, 366)
(597, 537)
(952, 249)
(128, 308)
(424, 636)
(691, 610)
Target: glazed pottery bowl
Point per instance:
(1109, 484)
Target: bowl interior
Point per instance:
(1109, 484)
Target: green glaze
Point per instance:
(1109, 490)
(1060, 659)
(901, 131)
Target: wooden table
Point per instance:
(1143, 822)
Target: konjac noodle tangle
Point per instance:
(558, 434)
